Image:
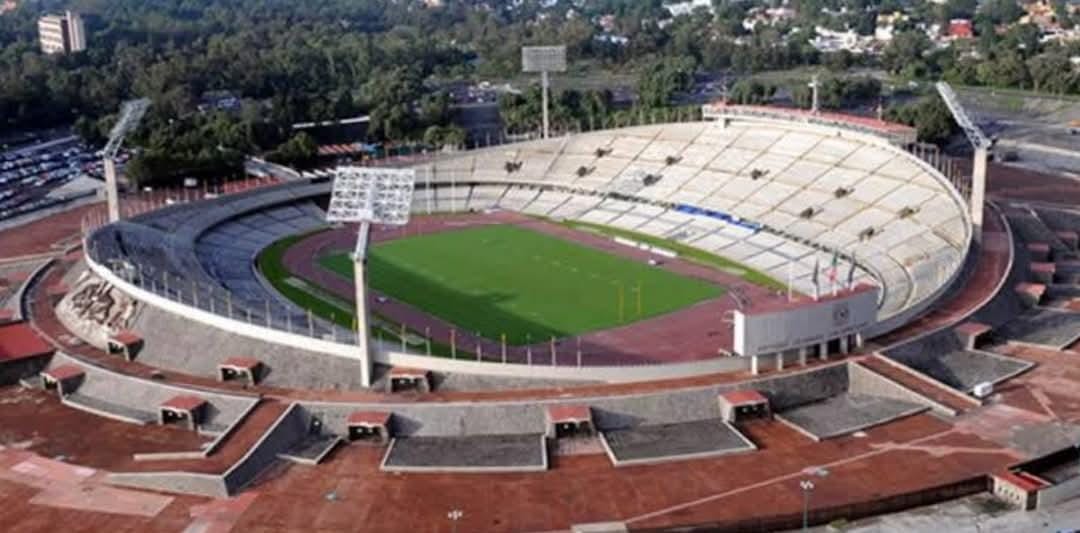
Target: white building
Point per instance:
(61, 34)
(687, 7)
(828, 40)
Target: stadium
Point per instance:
(649, 327)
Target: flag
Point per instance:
(834, 266)
(814, 277)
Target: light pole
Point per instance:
(131, 113)
(368, 195)
(454, 515)
(807, 486)
(544, 59)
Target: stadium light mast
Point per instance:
(982, 146)
(815, 105)
(131, 113)
(544, 59)
(368, 195)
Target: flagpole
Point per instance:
(817, 266)
(851, 273)
(790, 276)
(833, 270)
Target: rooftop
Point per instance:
(569, 413)
(1025, 481)
(972, 328)
(184, 402)
(744, 397)
(63, 372)
(241, 362)
(369, 418)
(19, 341)
(406, 372)
(127, 337)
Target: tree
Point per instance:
(1002, 11)
(905, 52)
(299, 150)
(1061, 14)
(1006, 70)
(751, 91)
(664, 79)
(1052, 72)
(961, 9)
(930, 116)
(444, 136)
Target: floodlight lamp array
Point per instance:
(131, 113)
(543, 59)
(369, 194)
(975, 135)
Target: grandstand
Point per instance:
(762, 196)
(783, 199)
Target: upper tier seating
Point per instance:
(802, 187)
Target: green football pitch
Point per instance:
(505, 280)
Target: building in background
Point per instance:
(61, 34)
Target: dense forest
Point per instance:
(391, 59)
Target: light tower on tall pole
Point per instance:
(980, 143)
(815, 103)
(807, 487)
(130, 114)
(544, 59)
(368, 195)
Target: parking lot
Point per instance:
(29, 174)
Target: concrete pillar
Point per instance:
(779, 361)
(802, 356)
(112, 191)
(754, 365)
(362, 341)
(544, 81)
(823, 351)
(844, 345)
(859, 341)
(978, 190)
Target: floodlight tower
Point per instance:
(544, 59)
(982, 146)
(130, 114)
(368, 195)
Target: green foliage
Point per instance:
(1001, 11)
(443, 136)
(570, 110)
(905, 54)
(1052, 72)
(1007, 70)
(300, 151)
(665, 78)
(929, 115)
(837, 92)
(751, 91)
